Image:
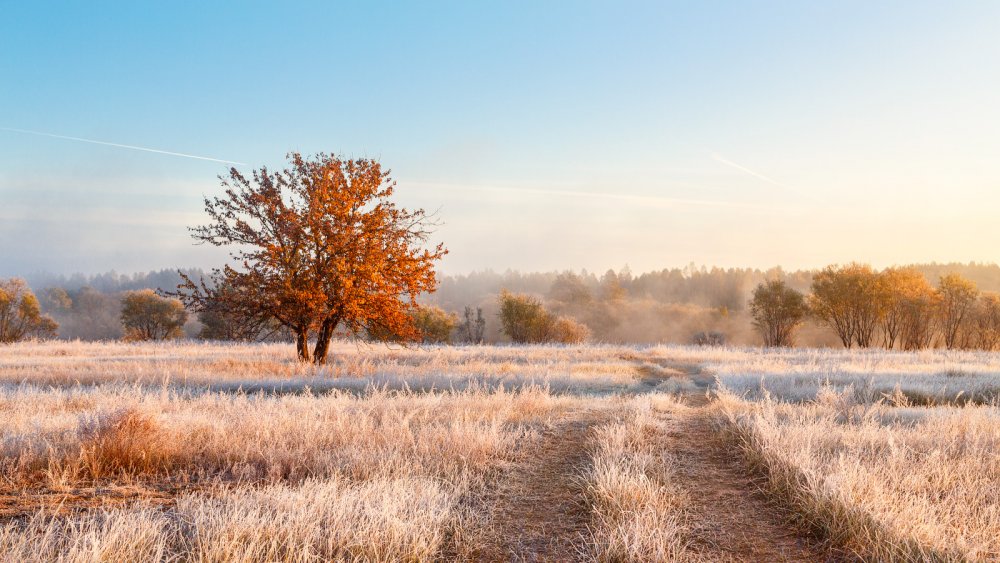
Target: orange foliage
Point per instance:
(320, 245)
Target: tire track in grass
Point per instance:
(538, 510)
(732, 519)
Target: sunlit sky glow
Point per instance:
(547, 135)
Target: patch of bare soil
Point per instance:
(25, 502)
(538, 510)
(731, 518)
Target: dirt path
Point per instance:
(732, 519)
(538, 512)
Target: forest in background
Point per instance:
(675, 305)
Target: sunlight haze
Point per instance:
(555, 135)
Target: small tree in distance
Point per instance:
(20, 314)
(902, 290)
(434, 324)
(777, 312)
(849, 299)
(473, 329)
(523, 318)
(148, 316)
(988, 322)
(957, 300)
(526, 321)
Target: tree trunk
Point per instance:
(323, 342)
(302, 344)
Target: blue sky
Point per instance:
(548, 135)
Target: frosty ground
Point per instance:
(211, 452)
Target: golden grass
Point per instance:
(886, 482)
(376, 476)
(298, 478)
(79, 433)
(376, 456)
(638, 505)
(318, 520)
(353, 367)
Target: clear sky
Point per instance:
(548, 135)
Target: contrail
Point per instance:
(634, 198)
(761, 177)
(121, 146)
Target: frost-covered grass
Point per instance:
(300, 477)
(882, 451)
(384, 519)
(375, 456)
(354, 367)
(926, 377)
(639, 506)
(375, 472)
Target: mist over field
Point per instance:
(667, 306)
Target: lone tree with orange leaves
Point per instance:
(318, 245)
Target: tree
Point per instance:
(20, 314)
(148, 316)
(56, 300)
(95, 316)
(571, 290)
(987, 317)
(526, 321)
(435, 324)
(919, 318)
(902, 290)
(523, 318)
(849, 300)
(777, 311)
(957, 298)
(320, 244)
(472, 329)
(565, 330)
(612, 288)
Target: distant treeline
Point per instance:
(680, 305)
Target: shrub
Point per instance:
(523, 317)
(777, 312)
(711, 338)
(526, 321)
(125, 441)
(435, 324)
(148, 316)
(565, 330)
(20, 315)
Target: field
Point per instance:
(206, 452)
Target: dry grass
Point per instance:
(273, 367)
(72, 434)
(376, 476)
(891, 455)
(638, 505)
(295, 478)
(928, 377)
(249, 455)
(886, 482)
(332, 519)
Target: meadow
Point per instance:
(218, 452)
